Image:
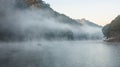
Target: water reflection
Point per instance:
(60, 54)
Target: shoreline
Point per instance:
(113, 39)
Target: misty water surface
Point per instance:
(59, 54)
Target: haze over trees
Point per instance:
(35, 19)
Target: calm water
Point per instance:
(60, 54)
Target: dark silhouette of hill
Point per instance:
(112, 30)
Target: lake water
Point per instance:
(59, 54)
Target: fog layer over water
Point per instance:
(33, 22)
(60, 54)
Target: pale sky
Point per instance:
(99, 11)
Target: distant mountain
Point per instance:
(35, 19)
(88, 23)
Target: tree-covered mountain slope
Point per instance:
(112, 30)
(35, 19)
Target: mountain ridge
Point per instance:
(87, 22)
(37, 20)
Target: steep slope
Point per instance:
(34, 19)
(112, 30)
(48, 11)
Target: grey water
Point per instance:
(59, 54)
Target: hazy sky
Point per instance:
(99, 11)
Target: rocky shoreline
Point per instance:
(113, 39)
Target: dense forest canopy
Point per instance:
(112, 29)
